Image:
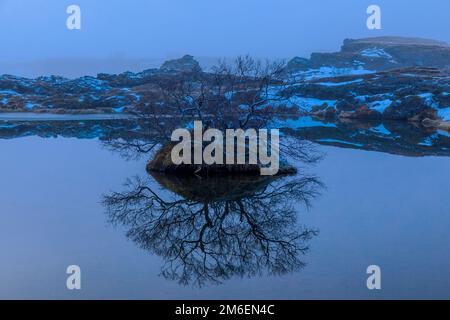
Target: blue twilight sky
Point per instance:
(133, 32)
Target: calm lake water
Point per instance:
(373, 208)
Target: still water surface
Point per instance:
(373, 208)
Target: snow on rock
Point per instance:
(380, 106)
(29, 106)
(375, 53)
(9, 93)
(306, 104)
(341, 142)
(327, 72)
(335, 84)
(444, 113)
(443, 133)
(428, 142)
(374, 97)
(119, 109)
(302, 122)
(427, 98)
(381, 129)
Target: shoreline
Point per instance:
(30, 116)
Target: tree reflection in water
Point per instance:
(208, 230)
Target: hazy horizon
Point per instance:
(117, 37)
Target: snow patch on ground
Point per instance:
(335, 84)
(444, 114)
(8, 126)
(9, 93)
(375, 53)
(381, 105)
(136, 96)
(91, 82)
(306, 104)
(29, 106)
(303, 122)
(428, 142)
(427, 98)
(443, 133)
(119, 109)
(327, 72)
(228, 95)
(341, 141)
(381, 129)
(375, 97)
(426, 95)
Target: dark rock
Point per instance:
(362, 112)
(185, 64)
(410, 108)
(296, 64)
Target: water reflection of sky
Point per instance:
(377, 209)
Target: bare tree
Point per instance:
(238, 95)
(234, 95)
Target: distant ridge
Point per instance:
(395, 40)
(379, 53)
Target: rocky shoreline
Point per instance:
(409, 94)
(388, 78)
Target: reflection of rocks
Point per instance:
(396, 137)
(430, 137)
(212, 229)
(437, 124)
(131, 137)
(83, 129)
